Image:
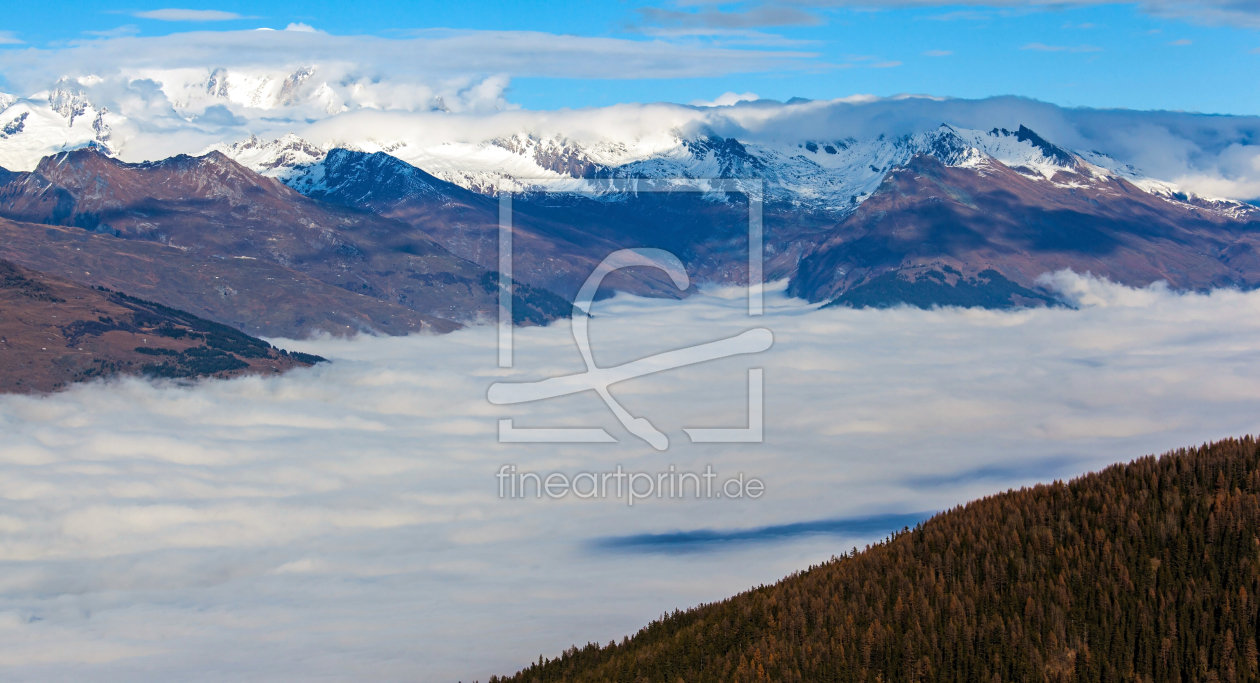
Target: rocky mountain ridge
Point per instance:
(826, 176)
(1007, 201)
(954, 217)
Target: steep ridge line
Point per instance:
(1147, 571)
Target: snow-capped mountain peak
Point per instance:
(61, 119)
(817, 173)
(274, 157)
(833, 175)
(193, 90)
(69, 99)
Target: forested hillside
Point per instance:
(1142, 572)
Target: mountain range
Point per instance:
(288, 237)
(840, 215)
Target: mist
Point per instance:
(345, 521)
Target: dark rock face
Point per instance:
(1052, 151)
(733, 158)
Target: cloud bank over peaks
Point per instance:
(195, 89)
(307, 91)
(726, 99)
(820, 148)
(448, 93)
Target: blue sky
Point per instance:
(1201, 56)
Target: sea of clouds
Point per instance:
(344, 521)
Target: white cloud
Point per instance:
(726, 99)
(10, 38)
(427, 56)
(1182, 41)
(172, 14)
(938, 53)
(723, 37)
(164, 85)
(1213, 186)
(343, 521)
(1211, 12)
(753, 17)
(127, 30)
(304, 28)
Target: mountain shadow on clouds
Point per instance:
(710, 540)
(1043, 469)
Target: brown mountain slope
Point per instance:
(928, 216)
(554, 250)
(211, 208)
(257, 296)
(1142, 572)
(560, 238)
(54, 332)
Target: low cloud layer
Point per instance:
(344, 521)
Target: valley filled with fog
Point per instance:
(345, 520)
